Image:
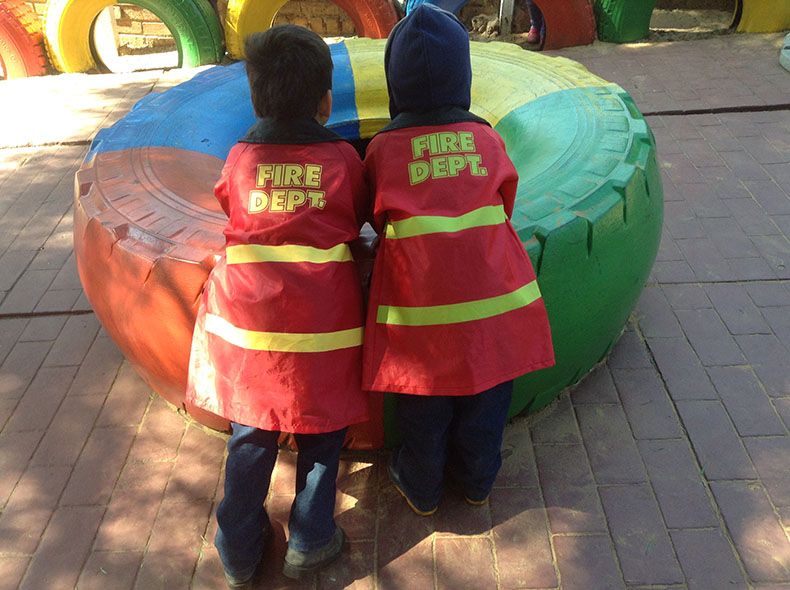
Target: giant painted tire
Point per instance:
(589, 206)
(193, 24)
(21, 42)
(371, 18)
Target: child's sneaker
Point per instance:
(421, 510)
(237, 583)
(533, 36)
(475, 502)
(246, 581)
(300, 563)
(456, 486)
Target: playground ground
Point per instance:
(667, 468)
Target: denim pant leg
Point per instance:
(241, 515)
(311, 524)
(535, 16)
(476, 439)
(424, 423)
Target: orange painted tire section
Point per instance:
(144, 248)
(147, 232)
(21, 42)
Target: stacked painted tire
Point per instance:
(623, 21)
(21, 42)
(68, 28)
(371, 18)
(761, 16)
(589, 207)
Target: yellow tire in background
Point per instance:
(241, 19)
(371, 18)
(762, 16)
(68, 29)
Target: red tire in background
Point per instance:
(21, 43)
(568, 23)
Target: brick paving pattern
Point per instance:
(668, 467)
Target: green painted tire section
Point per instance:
(193, 23)
(21, 43)
(589, 206)
(623, 21)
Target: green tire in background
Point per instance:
(623, 21)
(193, 24)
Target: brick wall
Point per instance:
(139, 30)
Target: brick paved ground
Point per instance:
(668, 467)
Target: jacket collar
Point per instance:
(298, 131)
(440, 116)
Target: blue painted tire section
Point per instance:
(589, 206)
(784, 54)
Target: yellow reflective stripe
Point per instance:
(282, 341)
(432, 224)
(459, 312)
(286, 253)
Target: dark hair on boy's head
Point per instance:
(289, 69)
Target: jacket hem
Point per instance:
(291, 428)
(458, 391)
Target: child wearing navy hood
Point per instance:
(455, 312)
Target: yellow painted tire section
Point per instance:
(244, 17)
(763, 16)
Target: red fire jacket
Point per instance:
(454, 305)
(278, 339)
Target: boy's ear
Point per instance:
(325, 108)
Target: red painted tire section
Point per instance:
(568, 23)
(21, 42)
(371, 18)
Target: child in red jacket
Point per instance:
(455, 312)
(277, 345)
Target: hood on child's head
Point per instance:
(427, 62)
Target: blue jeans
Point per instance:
(241, 516)
(536, 18)
(454, 436)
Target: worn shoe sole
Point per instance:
(394, 479)
(313, 560)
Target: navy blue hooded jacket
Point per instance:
(428, 69)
